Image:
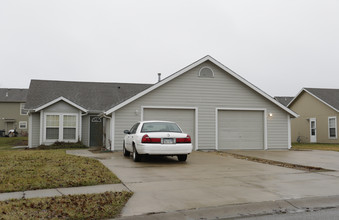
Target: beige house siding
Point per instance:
(205, 94)
(308, 107)
(10, 110)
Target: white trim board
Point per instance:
(193, 65)
(264, 110)
(311, 94)
(196, 126)
(58, 100)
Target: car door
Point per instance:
(131, 136)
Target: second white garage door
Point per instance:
(240, 129)
(185, 118)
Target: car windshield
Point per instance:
(160, 127)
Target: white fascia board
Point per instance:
(295, 97)
(157, 85)
(238, 77)
(321, 100)
(187, 68)
(57, 100)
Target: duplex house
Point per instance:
(217, 107)
(12, 110)
(319, 110)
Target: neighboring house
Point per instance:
(12, 110)
(285, 100)
(217, 107)
(319, 111)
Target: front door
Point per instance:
(313, 130)
(96, 131)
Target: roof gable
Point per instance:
(329, 97)
(58, 100)
(193, 65)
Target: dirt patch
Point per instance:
(276, 163)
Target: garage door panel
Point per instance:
(240, 129)
(185, 118)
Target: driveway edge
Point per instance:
(308, 204)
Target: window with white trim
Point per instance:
(206, 72)
(23, 111)
(332, 127)
(69, 126)
(52, 127)
(61, 127)
(22, 124)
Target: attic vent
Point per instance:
(206, 72)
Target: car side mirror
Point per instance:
(127, 132)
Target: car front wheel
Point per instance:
(182, 157)
(136, 156)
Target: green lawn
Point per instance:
(41, 169)
(330, 147)
(7, 143)
(87, 206)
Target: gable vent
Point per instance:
(206, 72)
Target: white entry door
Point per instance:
(313, 130)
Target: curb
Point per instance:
(311, 204)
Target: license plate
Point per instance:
(168, 141)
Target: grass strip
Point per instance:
(276, 163)
(22, 170)
(85, 206)
(304, 146)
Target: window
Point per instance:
(332, 127)
(52, 127)
(69, 126)
(61, 127)
(160, 127)
(22, 124)
(206, 72)
(134, 128)
(23, 111)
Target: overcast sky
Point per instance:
(279, 46)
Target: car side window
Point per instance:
(134, 128)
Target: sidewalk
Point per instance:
(63, 191)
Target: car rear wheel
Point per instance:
(136, 156)
(125, 152)
(182, 157)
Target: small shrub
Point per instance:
(62, 145)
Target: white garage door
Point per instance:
(185, 118)
(240, 129)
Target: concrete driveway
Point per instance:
(208, 179)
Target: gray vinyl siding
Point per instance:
(35, 138)
(85, 130)
(207, 94)
(107, 135)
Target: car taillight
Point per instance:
(184, 140)
(147, 139)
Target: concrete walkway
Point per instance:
(62, 191)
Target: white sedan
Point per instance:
(156, 138)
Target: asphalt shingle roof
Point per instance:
(285, 100)
(330, 96)
(93, 96)
(13, 95)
